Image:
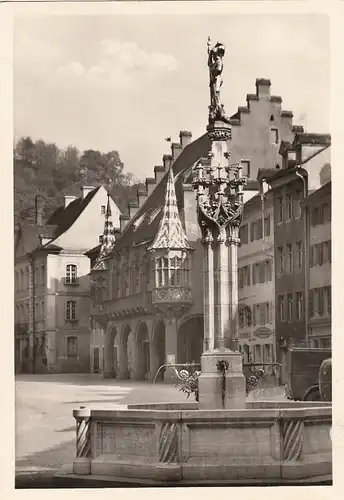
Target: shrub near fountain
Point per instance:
(224, 439)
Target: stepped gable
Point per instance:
(148, 228)
(64, 218)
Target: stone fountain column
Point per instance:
(219, 195)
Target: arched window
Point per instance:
(71, 310)
(72, 347)
(71, 274)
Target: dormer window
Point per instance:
(102, 209)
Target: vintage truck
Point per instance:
(305, 367)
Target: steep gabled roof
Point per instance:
(31, 236)
(171, 234)
(152, 208)
(64, 218)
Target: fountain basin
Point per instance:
(269, 442)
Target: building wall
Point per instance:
(58, 327)
(257, 333)
(289, 231)
(80, 236)
(319, 326)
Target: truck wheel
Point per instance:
(312, 395)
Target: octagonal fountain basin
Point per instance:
(177, 444)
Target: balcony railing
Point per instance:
(172, 294)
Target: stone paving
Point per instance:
(45, 427)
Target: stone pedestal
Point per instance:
(211, 381)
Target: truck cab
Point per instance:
(303, 372)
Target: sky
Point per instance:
(126, 82)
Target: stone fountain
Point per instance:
(223, 439)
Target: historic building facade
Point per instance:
(304, 166)
(147, 304)
(256, 280)
(318, 217)
(52, 287)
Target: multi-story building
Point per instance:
(305, 163)
(256, 281)
(151, 311)
(52, 288)
(318, 220)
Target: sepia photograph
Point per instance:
(172, 249)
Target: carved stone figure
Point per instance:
(215, 64)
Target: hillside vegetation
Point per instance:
(42, 168)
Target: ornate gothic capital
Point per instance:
(219, 133)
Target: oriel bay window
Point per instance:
(172, 271)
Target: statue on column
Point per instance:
(215, 64)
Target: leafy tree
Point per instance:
(41, 168)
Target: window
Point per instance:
(21, 282)
(297, 206)
(71, 273)
(274, 135)
(27, 279)
(289, 203)
(43, 274)
(290, 306)
(72, 347)
(246, 276)
(255, 273)
(279, 210)
(243, 234)
(320, 259)
(320, 301)
(298, 255)
(289, 258)
(42, 310)
(267, 226)
(326, 212)
(280, 257)
(315, 216)
(267, 312)
(17, 280)
(311, 303)
(268, 270)
(326, 253)
(240, 277)
(281, 307)
(256, 230)
(102, 209)
(70, 310)
(327, 300)
(245, 168)
(299, 305)
(262, 314)
(100, 239)
(257, 355)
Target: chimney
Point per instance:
(68, 200)
(85, 190)
(123, 220)
(159, 172)
(38, 211)
(263, 87)
(167, 161)
(150, 185)
(176, 150)
(142, 197)
(185, 138)
(133, 207)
